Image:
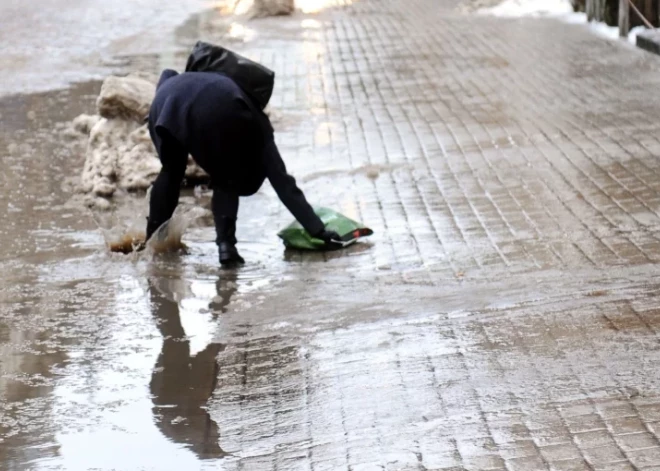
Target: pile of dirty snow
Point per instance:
(120, 154)
(263, 8)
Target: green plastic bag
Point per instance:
(295, 237)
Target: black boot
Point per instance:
(229, 255)
(226, 239)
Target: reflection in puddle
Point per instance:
(144, 384)
(26, 374)
(184, 377)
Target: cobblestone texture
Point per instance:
(505, 316)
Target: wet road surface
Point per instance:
(502, 317)
(50, 43)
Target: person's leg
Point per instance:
(165, 191)
(225, 209)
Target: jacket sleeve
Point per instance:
(288, 192)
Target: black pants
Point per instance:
(167, 187)
(229, 180)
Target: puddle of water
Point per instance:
(124, 228)
(105, 348)
(156, 389)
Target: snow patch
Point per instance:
(534, 8)
(560, 9)
(264, 8)
(609, 32)
(125, 98)
(120, 154)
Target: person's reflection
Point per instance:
(181, 384)
(225, 287)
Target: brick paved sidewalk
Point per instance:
(505, 316)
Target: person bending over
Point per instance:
(207, 115)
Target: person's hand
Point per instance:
(331, 238)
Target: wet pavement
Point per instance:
(50, 43)
(502, 317)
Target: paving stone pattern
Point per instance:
(506, 315)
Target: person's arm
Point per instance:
(288, 192)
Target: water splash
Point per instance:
(124, 229)
(168, 237)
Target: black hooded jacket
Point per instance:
(227, 135)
